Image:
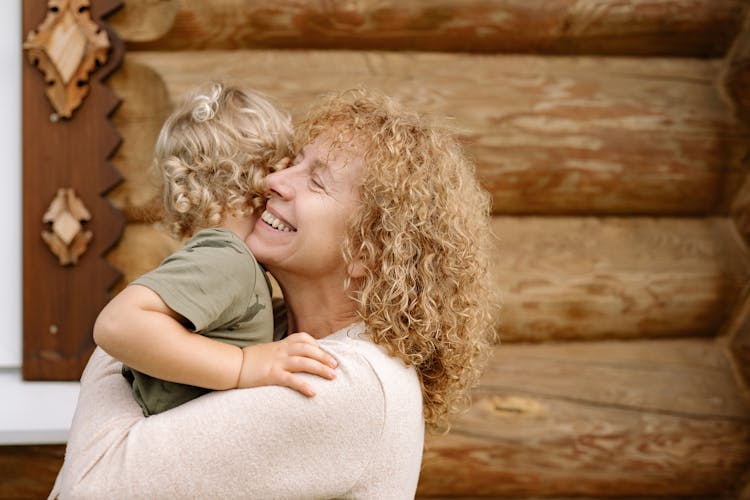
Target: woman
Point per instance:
(376, 234)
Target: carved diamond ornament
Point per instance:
(66, 47)
(67, 240)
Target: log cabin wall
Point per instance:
(735, 82)
(613, 159)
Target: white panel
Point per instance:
(35, 412)
(10, 187)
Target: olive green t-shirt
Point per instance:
(217, 286)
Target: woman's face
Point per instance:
(304, 225)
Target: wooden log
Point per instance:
(737, 330)
(576, 278)
(596, 419)
(735, 78)
(550, 135)
(739, 343)
(139, 119)
(740, 209)
(141, 249)
(29, 471)
(592, 278)
(735, 81)
(631, 27)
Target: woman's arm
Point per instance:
(253, 443)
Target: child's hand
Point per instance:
(276, 362)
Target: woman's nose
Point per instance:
(279, 184)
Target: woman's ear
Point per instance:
(356, 269)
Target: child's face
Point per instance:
(310, 204)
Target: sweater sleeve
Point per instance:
(265, 442)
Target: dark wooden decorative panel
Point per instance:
(61, 300)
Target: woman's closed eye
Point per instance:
(317, 184)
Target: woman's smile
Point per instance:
(276, 222)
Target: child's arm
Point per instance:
(140, 330)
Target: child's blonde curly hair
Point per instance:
(213, 154)
(422, 233)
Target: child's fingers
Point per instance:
(307, 365)
(303, 344)
(313, 351)
(298, 385)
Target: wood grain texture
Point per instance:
(550, 135)
(141, 249)
(740, 209)
(735, 81)
(60, 304)
(735, 77)
(596, 419)
(736, 333)
(644, 27)
(28, 472)
(583, 278)
(577, 278)
(145, 106)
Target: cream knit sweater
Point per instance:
(360, 437)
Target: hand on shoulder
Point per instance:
(276, 363)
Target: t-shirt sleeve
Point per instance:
(209, 281)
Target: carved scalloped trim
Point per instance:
(66, 47)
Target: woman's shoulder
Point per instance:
(397, 394)
(368, 368)
(356, 350)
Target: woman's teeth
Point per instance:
(272, 221)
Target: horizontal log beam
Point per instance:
(737, 333)
(631, 27)
(583, 278)
(550, 135)
(596, 419)
(736, 73)
(577, 278)
(29, 471)
(740, 207)
(735, 81)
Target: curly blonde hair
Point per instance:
(213, 154)
(422, 232)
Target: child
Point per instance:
(213, 154)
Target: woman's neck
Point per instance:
(317, 308)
